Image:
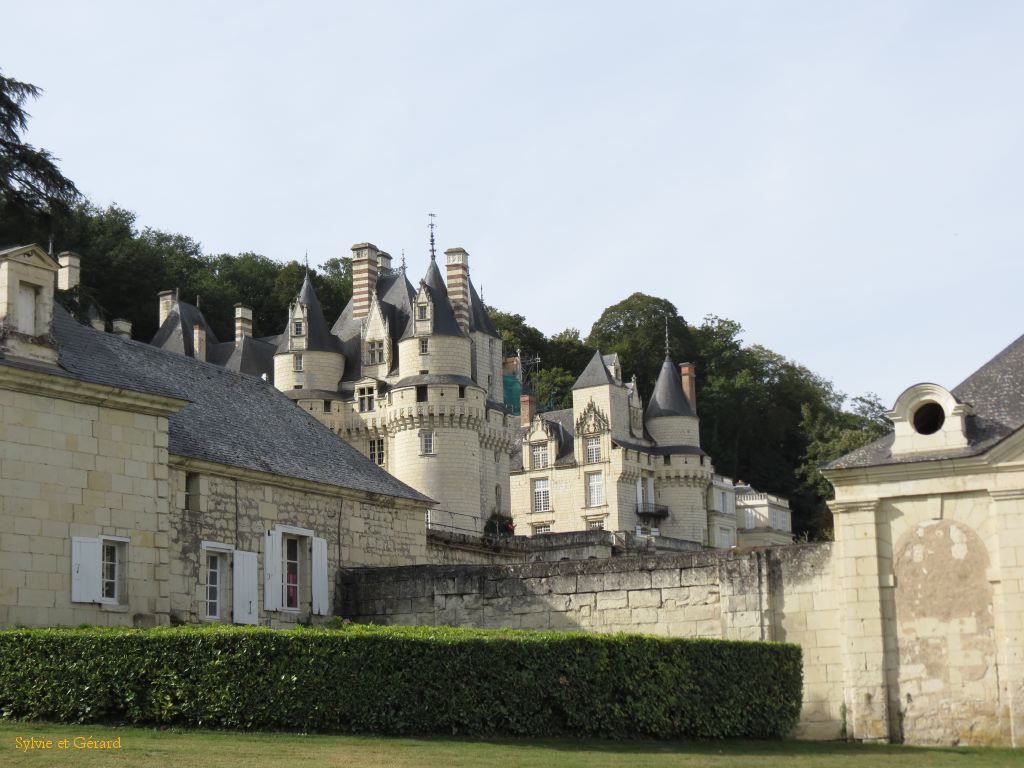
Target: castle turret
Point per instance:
(308, 356)
(669, 417)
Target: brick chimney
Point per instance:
(364, 277)
(527, 408)
(166, 302)
(199, 342)
(688, 375)
(70, 270)
(122, 328)
(457, 261)
(243, 323)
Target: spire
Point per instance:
(318, 335)
(668, 355)
(403, 261)
(307, 262)
(432, 225)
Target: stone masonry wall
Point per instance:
(754, 595)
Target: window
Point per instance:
(539, 454)
(421, 311)
(421, 393)
(375, 352)
(668, 460)
(538, 529)
(290, 596)
(110, 573)
(424, 346)
(724, 538)
(377, 450)
(213, 581)
(192, 492)
(297, 328)
(327, 406)
(462, 392)
(595, 489)
(595, 525)
(723, 508)
(426, 442)
(593, 449)
(776, 523)
(751, 519)
(541, 496)
(366, 399)
(297, 362)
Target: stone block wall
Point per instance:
(754, 595)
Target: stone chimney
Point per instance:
(199, 342)
(364, 277)
(527, 408)
(68, 275)
(122, 328)
(688, 375)
(166, 302)
(457, 261)
(383, 261)
(243, 323)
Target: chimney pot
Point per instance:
(121, 327)
(527, 408)
(199, 342)
(688, 377)
(243, 323)
(167, 299)
(457, 263)
(69, 274)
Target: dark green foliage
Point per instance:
(403, 680)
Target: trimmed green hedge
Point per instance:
(403, 680)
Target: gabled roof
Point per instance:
(231, 419)
(995, 393)
(176, 333)
(318, 335)
(668, 398)
(565, 433)
(596, 374)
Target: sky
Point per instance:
(845, 180)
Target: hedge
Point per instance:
(403, 680)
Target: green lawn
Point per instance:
(152, 749)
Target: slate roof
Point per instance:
(444, 323)
(253, 357)
(176, 333)
(668, 399)
(995, 393)
(231, 419)
(596, 373)
(479, 320)
(318, 336)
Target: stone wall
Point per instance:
(778, 594)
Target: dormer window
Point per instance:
(927, 418)
(297, 328)
(374, 352)
(538, 456)
(366, 399)
(421, 311)
(593, 449)
(28, 297)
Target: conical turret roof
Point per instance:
(445, 323)
(318, 336)
(668, 398)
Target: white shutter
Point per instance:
(245, 588)
(272, 571)
(321, 590)
(86, 561)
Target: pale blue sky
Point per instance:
(844, 179)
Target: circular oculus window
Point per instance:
(929, 418)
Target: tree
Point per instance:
(32, 188)
(635, 329)
(517, 335)
(553, 388)
(567, 351)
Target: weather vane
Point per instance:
(307, 261)
(666, 337)
(433, 251)
(403, 261)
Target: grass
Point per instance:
(151, 749)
